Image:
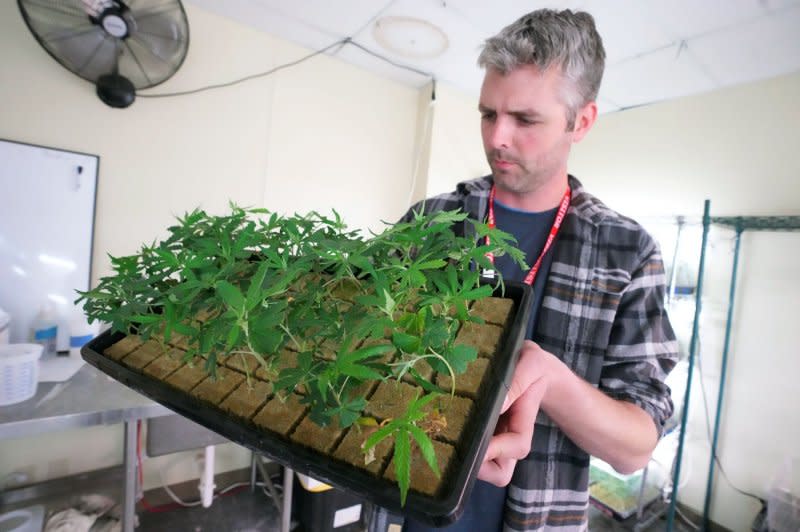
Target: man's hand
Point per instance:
(616, 431)
(514, 432)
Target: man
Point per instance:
(593, 382)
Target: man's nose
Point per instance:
(500, 134)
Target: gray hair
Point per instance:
(545, 38)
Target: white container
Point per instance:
(80, 332)
(783, 504)
(44, 330)
(19, 372)
(5, 329)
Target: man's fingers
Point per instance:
(507, 445)
(513, 437)
(527, 371)
(501, 458)
(497, 472)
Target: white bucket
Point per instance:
(19, 372)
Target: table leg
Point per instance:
(253, 479)
(268, 483)
(129, 460)
(286, 514)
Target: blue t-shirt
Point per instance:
(531, 230)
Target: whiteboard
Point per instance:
(47, 206)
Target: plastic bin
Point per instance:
(328, 510)
(19, 372)
(783, 504)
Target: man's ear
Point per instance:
(584, 120)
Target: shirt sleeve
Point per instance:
(642, 349)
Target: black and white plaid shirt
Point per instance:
(603, 316)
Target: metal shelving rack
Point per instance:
(740, 224)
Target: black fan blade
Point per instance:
(143, 41)
(157, 44)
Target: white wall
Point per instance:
(456, 147)
(737, 147)
(322, 134)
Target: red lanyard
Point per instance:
(562, 211)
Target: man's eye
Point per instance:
(526, 121)
(487, 116)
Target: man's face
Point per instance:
(523, 125)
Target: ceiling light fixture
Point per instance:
(410, 37)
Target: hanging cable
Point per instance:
(393, 63)
(340, 44)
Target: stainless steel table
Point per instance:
(87, 399)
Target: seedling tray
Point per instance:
(441, 510)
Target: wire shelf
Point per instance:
(759, 223)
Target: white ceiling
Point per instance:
(656, 49)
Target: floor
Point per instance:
(239, 510)
(246, 512)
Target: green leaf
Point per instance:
(289, 378)
(426, 385)
(379, 435)
(478, 293)
(432, 264)
(402, 463)
(426, 447)
(415, 409)
(406, 342)
(459, 357)
(254, 290)
(233, 337)
(146, 318)
(364, 353)
(323, 380)
(417, 278)
(266, 341)
(359, 372)
(231, 295)
(168, 257)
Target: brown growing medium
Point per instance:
(424, 369)
(143, 355)
(241, 362)
(350, 451)
(179, 341)
(468, 383)
(423, 479)
(390, 399)
(123, 347)
(247, 399)
(280, 415)
(450, 414)
(186, 377)
(284, 359)
(322, 439)
(486, 337)
(494, 310)
(164, 365)
(214, 389)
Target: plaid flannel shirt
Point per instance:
(603, 316)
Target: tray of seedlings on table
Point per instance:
(378, 365)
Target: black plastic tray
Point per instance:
(437, 511)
